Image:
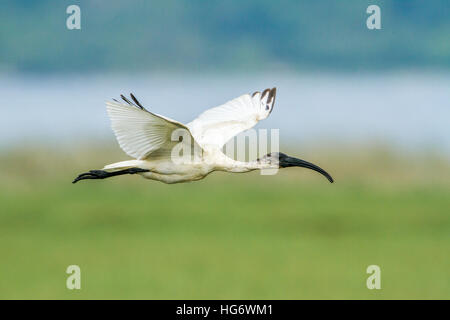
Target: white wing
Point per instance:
(141, 133)
(218, 125)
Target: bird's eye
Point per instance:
(180, 138)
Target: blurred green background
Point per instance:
(289, 236)
(370, 107)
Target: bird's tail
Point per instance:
(122, 165)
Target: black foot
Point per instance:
(101, 174)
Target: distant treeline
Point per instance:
(218, 35)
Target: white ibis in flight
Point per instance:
(149, 139)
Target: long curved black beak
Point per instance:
(294, 162)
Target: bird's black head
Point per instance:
(285, 161)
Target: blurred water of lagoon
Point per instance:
(403, 110)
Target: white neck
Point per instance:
(230, 165)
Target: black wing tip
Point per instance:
(134, 103)
(272, 92)
(270, 101)
(126, 100)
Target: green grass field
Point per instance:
(288, 236)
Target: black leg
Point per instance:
(101, 174)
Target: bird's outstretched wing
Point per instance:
(141, 133)
(218, 125)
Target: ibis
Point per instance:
(149, 139)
